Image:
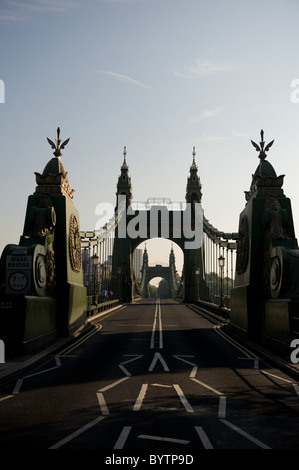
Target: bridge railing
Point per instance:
(97, 270)
(161, 202)
(220, 259)
(97, 252)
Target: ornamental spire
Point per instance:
(193, 166)
(124, 165)
(58, 146)
(260, 148)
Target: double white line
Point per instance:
(157, 326)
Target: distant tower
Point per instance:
(171, 256)
(193, 190)
(124, 186)
(145, 257)
(194, 270)
(122, 264)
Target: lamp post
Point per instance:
(221, 264)
(95, 261)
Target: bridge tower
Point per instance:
(165, 272)
(194, 266)
(144, 269)
(265, 298)
(122, 262)
(41, 289)
(188, 223)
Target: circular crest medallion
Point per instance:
(75, 244)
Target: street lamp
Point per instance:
(95, 262)
(221, 264)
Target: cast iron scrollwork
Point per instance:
(243, 246)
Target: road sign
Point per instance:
(18, 274)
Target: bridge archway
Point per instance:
(181, 223)
(164, 289)
(165, 269)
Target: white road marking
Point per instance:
(245, 351)
(194, 369)
(6, 397)
(102, 404)
(255, 363)
(204, 438)
(122, 437)
(159, 319)
(207, 386)
(140, 397)
(244, 434)
(222, 407)
(161, 385)
(275, 376)
(17, 386)
(58, 364)
(124, 369)
(20, 381)
(77, 433)
(165, 439)
(157, 357)
(183, 399)
(114, 384)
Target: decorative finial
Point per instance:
(124, 165)
(193, 166)
(260, 148)
(59, 146)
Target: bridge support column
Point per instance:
(195, 286)
(42, 295)
(122, 268)
(265, 298)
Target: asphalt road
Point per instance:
(153, 376)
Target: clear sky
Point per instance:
(159, 77)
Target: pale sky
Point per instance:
(159, 77)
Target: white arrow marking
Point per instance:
(154, 361)
(20, 381)
(124, 369)
(194, 369)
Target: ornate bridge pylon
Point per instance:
(182, 225)
(168, 273)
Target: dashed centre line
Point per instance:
(157, 326)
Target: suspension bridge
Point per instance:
(59, 275)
